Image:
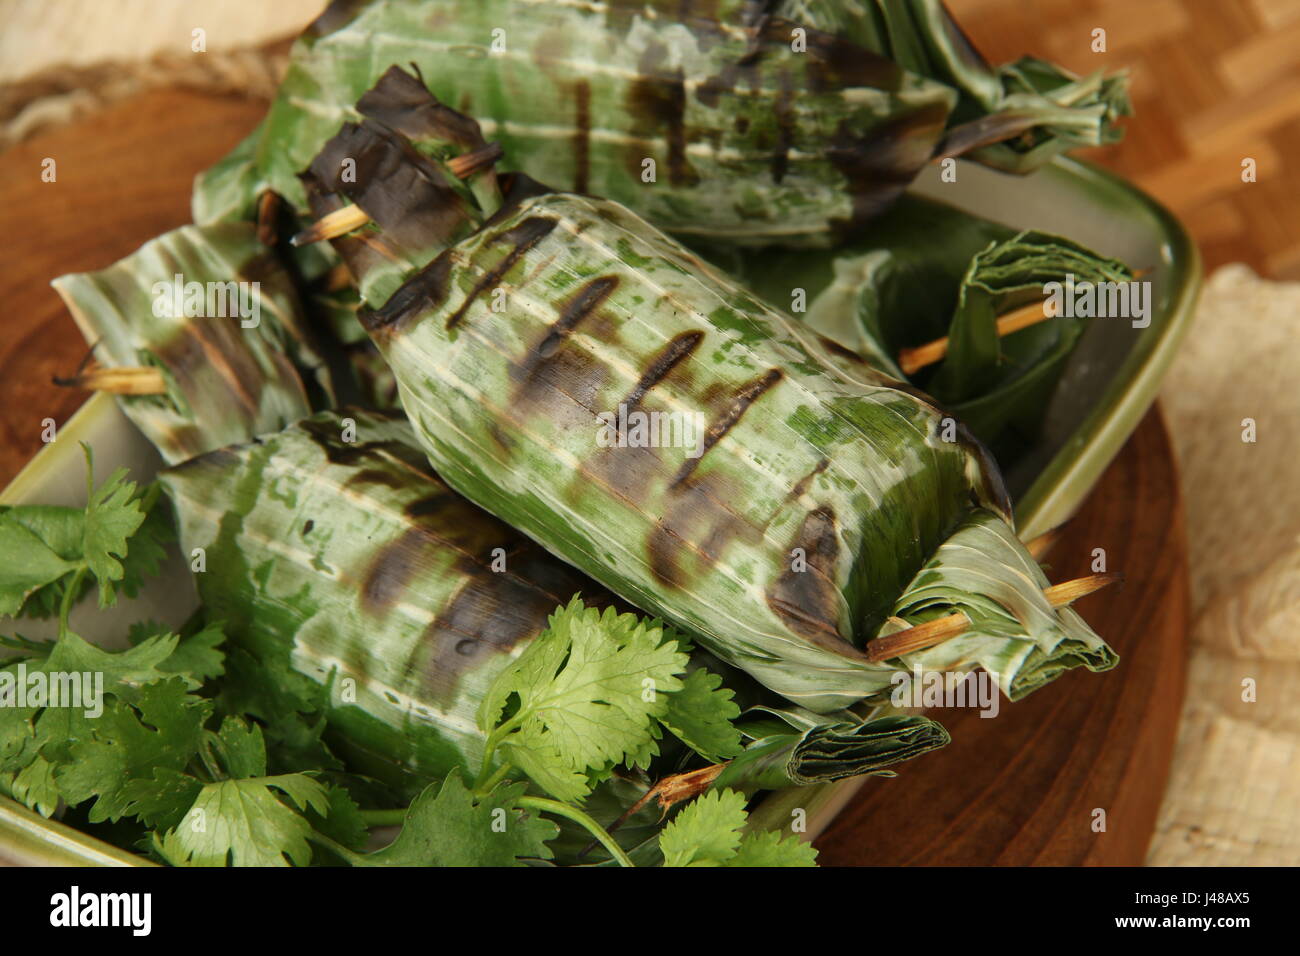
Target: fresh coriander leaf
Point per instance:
(34, 787)
(342, 823)
(146, 550)
(706, 832)
(288, 705)
(112, 517)
(124, 672)
(62, 528)
(26, 564)
(548, 768)
(447, 825)
(773, 849)
(197, 657)
(701, 714)
(588, 688)
(123, 745)
(244, 823)
(160, 800)
(242, 749)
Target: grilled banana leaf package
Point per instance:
(638, 543)
(210, 316)
(795, 497)
(1014, 117)
(333, 552)
(778, 121)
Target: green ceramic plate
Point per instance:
(1109, 383)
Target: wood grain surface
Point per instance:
(123, 177)
(1213, 82)
(1020, 788)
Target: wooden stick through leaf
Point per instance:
(347, 218)
(912, 360)
(930, 633)
(123, 380)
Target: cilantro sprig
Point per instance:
(218, 759)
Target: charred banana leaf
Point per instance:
(211, 308)
(333, 552)
(1015, 117)
(582, 376)
(333, 547)
(714, 123)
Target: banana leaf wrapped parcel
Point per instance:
(1014, 117)
(210, 310)
(334, 553)
(750, 122)
(794, 497)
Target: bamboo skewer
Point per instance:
(333, 225)
(346, 218)
(123, 380)
(922, 636)
(912, 360)
(684, 786)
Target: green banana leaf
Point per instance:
(1015, 635)
(929, 271)
(810, 500)
(751, 140)
(350, 564)
(1015, 117)
(227, 378)
(797, 746)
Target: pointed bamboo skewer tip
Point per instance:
(332, 225)
(123, 380)
(668, 791)
(931, 633)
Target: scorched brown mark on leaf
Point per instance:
(808, 600)
(215, 342)
(803, 484)
(566, 380)
(699, 521)
(418, 296)
(493, 611)
(629, 470)
(383, 453)
(584, 302)
(657, 102)
(523, 237)
(581, 135)
(676, 351)
(740, 403)
(878, 166)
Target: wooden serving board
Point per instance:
(1018, 789)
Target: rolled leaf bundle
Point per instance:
(334, 553)
(712, 125)
(1014, 117)
(749, 121)
(780, 506)
(982, 571)
(209, 308)
(929, 271)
